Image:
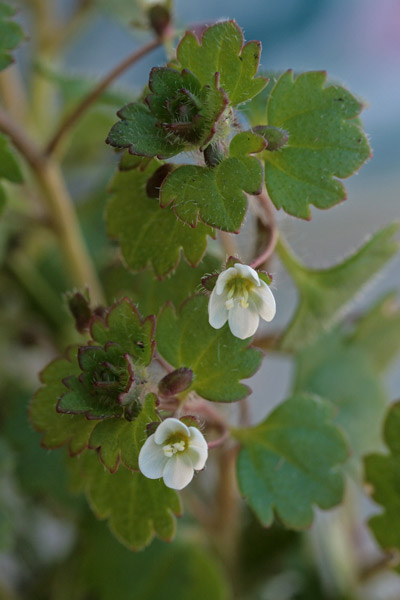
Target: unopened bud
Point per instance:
(80, 309)
(160, 20)
(175, 382)
(275, 137)
(214, 154)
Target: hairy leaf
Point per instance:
(58, 430)
(11, 35)
(291, 461)
(382, 472)
(149, 235)
(216, 194)
(326, 142)
(123, 325)
(151, 294)
(120, 440)
(325, 292)
(221, 49)
(137, 508)
(218, 359)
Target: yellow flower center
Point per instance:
(175, 443)
(239, 288)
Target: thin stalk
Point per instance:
(272, 228)
(60, 208)
(70, 120)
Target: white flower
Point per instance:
(241, 298)
(173, 452)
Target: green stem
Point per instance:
(292, 265)
(60, 208)
(95, 93)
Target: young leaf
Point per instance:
(290, 462)
(9, 165)
(11, 35)
(216, 195)
(382, 472)
(221, 50)
(339, 369)
(149, 235)
(120, 440)
(218, 359)
(324, 293)
(58, 430)
(138, 131)
(137, 508)
(325, 142)
(123, 325)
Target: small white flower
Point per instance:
(241, 298)
(174, 452)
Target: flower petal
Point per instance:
(152, 459)
(264, 301)
(223, 279)
(167, 428)
(217, 311)
(179, 471)
(243, 322)
(247, 273)
(198, 449)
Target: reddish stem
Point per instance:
(273, 238)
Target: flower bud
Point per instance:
(175, 382)
(275, 137)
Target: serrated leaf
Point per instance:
(123, 325)
(138, 131)
(218, 359)
(378, 332)
(137, 508)
(119, 440)
(325, 292)
(325, 142)
(221, 50)
(11, 35)
(337, 368)
(291, 462)
(9, 166)
(151, 294)
(216, 194)
(382, 472)
(149, 235)
(58, 430)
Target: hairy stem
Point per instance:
(95, 93)
(60, 207)
(271, 225)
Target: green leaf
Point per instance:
(11, 35)
(382, 472)
(325, 292)
(218, 359)
(290, 462)
(325, 142)
(119, 441)
(123, 325)
(9, 166)
(151, 294)
(216, 194)
(138, 131)
(58, 430)
(339, 369)
(221, 50)
(378, 332)
(149, 235)
(137, 508)
(188, 570)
